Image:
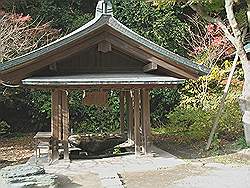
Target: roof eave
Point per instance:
(200, 70)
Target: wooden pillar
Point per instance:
(65, 123)
(146, 121)
(60, 115)
(55, 123)
(122, 111)
(137, 122)
(130, 119)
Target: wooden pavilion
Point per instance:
(101, 55)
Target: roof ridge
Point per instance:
(104, 7)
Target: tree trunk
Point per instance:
(222, 103)
(245, 98)
(248, 13)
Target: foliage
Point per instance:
(162, 25)
(199, 102)
(93, 119)
(196, 123)
(24, 110)
(19, 35)
(64, 14)
(162, 102)
(207, 44)
(241, 143)
(206, 91)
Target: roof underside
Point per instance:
(102, 79)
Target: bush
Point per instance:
(196, 123)
(162, 102)
(92, 119)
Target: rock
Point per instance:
(96, 144)
(21, 171)
(26, 176)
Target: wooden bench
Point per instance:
(42, 141)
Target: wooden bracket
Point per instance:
(150, 67)
(104, 47)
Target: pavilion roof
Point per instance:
(103, 19)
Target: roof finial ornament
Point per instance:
(104, 7)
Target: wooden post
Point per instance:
(130, 116)
(55, 124)
(137, 122)
(60, 115)
(122, 111)
(143, 135)
(146, 121)
(65, 122)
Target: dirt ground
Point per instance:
(16, 149)
(160, 178)
(195, 149)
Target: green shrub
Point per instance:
(162, 102)
(196, 123)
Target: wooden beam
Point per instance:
(122, 111)
(104, 46)
(150, 67)
(143, 55)
(137, 122)
(24, 70)
(105, 86)
(65, 122)
(146, 121)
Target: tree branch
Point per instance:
(200, 10)
(239, 47)
(236, 31)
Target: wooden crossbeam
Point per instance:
(150, 67)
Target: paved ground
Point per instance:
(191, 176)
(162, 170)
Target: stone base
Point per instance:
(247, 133)
(245, 108)
(26, 176)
